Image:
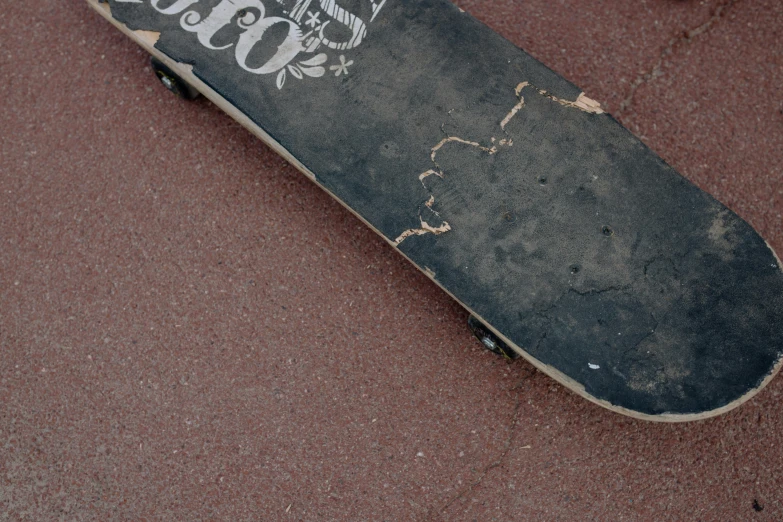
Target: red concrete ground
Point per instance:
(190, 330)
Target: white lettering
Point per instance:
(175, 8)
(220, 17)
(286, 52)
(249, 16)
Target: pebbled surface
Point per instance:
(554, 224)
(156, 365)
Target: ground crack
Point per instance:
(506, 449)
(675, 42)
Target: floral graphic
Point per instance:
(342, 68)
(313, 20)
(311, 67)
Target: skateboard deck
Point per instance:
(517, 194)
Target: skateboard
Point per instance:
(568, 241)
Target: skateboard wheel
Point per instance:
(172, 81)
(489, 340)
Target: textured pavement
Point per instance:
(190, 330)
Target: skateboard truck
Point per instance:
(490, 341)
(172, 81)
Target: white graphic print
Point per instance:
(342, 68)
(300, 35)
(313, 21)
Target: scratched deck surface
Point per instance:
(490, 172)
